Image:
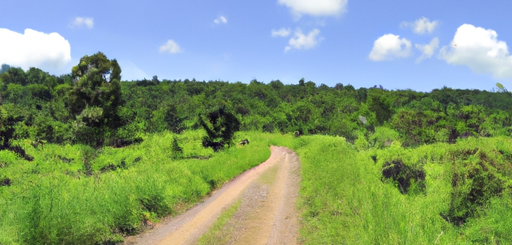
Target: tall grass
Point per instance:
(58, 200)
(345, 199)
(73, 194)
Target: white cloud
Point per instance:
(301, 41)
(171, 46)
(81, 21)
(390, 46)
(427, 50)
(220, 20)
(49, 52)
(315, 8)
(422, 25)
(281, 32)
(480, 50)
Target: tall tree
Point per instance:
(96, 95)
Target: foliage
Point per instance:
(346, 199)
(95, 97)
(91, 105)
(220, 126)
(177, 151)
(6, 129)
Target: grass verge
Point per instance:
(219, 233)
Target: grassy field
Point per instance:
(434, 194)
(78, 195)
(457, 194)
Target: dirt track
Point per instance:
(267, 213)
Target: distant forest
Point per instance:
(92, 106)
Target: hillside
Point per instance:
(86, 158)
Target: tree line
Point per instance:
(93, 106)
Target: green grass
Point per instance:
(344, 199)
(55, 200)
(219, 233)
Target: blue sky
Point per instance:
(399, 44)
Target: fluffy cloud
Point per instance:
(281, 32)
(220, 20)
(81, 21)
(171, 46)
(389, 47)
(422, 25)
(315, 8)
(50, 52)
(427, 50)
(302, 41)
(480, 50)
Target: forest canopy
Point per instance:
(93, 106)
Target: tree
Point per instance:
(7, 132)
(15, 75)
(167, 118)
(4, 68)
(1, 88)
(379, 102)
(96, 96)
(155, 80)
(302, 82)
(276, 84)
(6, 129)
(220, 127)
(349, 88)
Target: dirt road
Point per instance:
(267, 213)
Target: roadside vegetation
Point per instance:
(77, 195)
(86, 158)
(435, 194)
